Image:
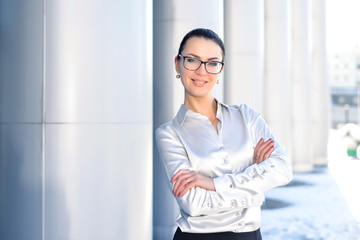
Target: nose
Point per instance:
(201, 70)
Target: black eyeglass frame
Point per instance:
(201, 62)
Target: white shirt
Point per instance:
(189, 141)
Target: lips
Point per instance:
(199, 82)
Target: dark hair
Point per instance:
(202, 33)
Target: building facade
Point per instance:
(84, 84)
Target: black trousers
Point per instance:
(255, 235)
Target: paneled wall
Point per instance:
(76, 120)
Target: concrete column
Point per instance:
(244, 41)
(21, 51)
(300, 77)
(172, 20)
(320, 92)
(76, 120)
(277, 70)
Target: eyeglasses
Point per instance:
(193, 64)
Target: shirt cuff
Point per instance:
(232, 194)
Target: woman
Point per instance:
(220, 159)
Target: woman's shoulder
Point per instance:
(167, 128)
(167, 125)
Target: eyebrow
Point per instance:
(213, 58)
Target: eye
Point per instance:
(213, 64)
(191, 60)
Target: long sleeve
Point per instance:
(190, 141)
(196, 201)
(256, 178)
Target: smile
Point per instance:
(199, 83)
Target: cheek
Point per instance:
(214, 79)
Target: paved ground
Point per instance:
(321, 205)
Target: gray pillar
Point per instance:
(172, 20)
(320, 92)
(21, 47)
(76, 157)
(277, 101)
(244, 41)
(300, 80)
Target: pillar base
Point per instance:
(303, 167)
(321, 161)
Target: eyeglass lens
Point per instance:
(193, 64)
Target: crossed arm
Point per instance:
(198, 194)
(186, 179)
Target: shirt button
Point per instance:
(272, 165)
(233, 202)
(231, 185)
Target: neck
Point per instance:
(205, 106)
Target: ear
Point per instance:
(176, 61)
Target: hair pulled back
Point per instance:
(202, 33)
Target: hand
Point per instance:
(263, 150)
(186, 179)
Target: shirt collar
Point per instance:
(186, 112)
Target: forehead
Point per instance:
(204, 48)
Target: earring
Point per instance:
(177, 75)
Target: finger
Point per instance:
(186, 188)
(268, 153)
(190, 183)
(259, 144)
(184, 183)
(179, 184)
(265, 144)
(265, 150)
(181, 171)
(262, 149)
(257, 158)
(177, 179)
(181, 181)
(256, 155)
